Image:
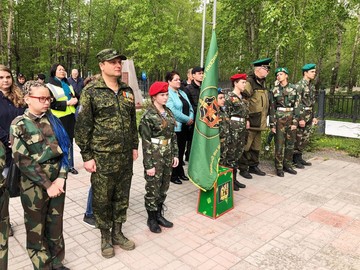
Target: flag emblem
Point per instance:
(209, 112)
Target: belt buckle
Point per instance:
(163, 142)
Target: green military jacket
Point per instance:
(307, 96)
(106, 121)
(257, 95)
(35, 149)
(152, 126)
(2, 164)
(284, 97)
(236, 106)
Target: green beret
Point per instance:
(307, 67)
(262, 62)
(281, 69)
(109, 54)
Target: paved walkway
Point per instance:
(307, 221)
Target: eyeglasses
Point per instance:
(43, 99)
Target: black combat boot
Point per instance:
(290, 170)
(304, 162)
(160, 218)
(107, 250)
(297, 162)
(245, 174)
(237, 184)
(152, 222)
(118, 238)
(256, 170)
(280, 173)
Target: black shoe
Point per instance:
(304, 162)
(289, 170)
(11, 231)
(236, 187)
(238, 184)
(162, 221)
(176, 180)
(299, 165)
(89, 220)
(280, 173)
(184, 178)
(152, 222)
(73, 171)
(245, 174)
(256, 170)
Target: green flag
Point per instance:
(205, 149)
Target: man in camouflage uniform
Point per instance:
(307, 117)
(284, 112)
(38, 154)
(107, 136)
(160, 152)
(257, 95)
(4, 213)
(236, 116)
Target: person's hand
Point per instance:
(302, 123)
(273, 130)
(73, 101)
(190, 122)
(150, 172)
(247, 124)
(315, 121)
(53, 191)
(135, 154)
(293, 127)
(90, 166)
(60, 183)
(175, 162)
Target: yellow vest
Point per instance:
(59, 95)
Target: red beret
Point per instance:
(238, 76)
(158, 87)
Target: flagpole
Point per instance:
(203, 34)
(214, 15)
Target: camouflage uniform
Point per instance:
(233, 130)
(38, 155)
(4, 213)
(307, 100)
(106, 132)
(284, 112)
(157, 155)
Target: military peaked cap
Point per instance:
(262, 62)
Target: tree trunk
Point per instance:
(352, 70)
(58, 32)
(78, 40)
(9, 32)
(2, 46)
(89, 27)
(335, 70)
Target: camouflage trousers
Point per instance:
(111, 188)
(157, 186)
(303, 135)
(284, 141)
(4, 228)
(232, 147)
(251, 154)
(44, 226)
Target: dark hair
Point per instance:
(53, 69)
(170, 75)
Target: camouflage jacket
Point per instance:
(151, 127)
(35, 149)
(307, 97)
(284, 97)
(106, 121)
(236, 107)
(2, 164)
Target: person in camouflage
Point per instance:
(40, 147)
(237, 118)
(106, 133)
(307, 114)
(284, 114)
(4, 211)
(160, 154)
(257, 95)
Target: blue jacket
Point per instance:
(175, 105)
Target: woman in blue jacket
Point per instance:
(180, 106)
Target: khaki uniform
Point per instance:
(106, 132)
(159, 149)
(257, 95)
(4, 213)
(38, 155)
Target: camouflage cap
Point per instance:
(281, 69)
(109, 54)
